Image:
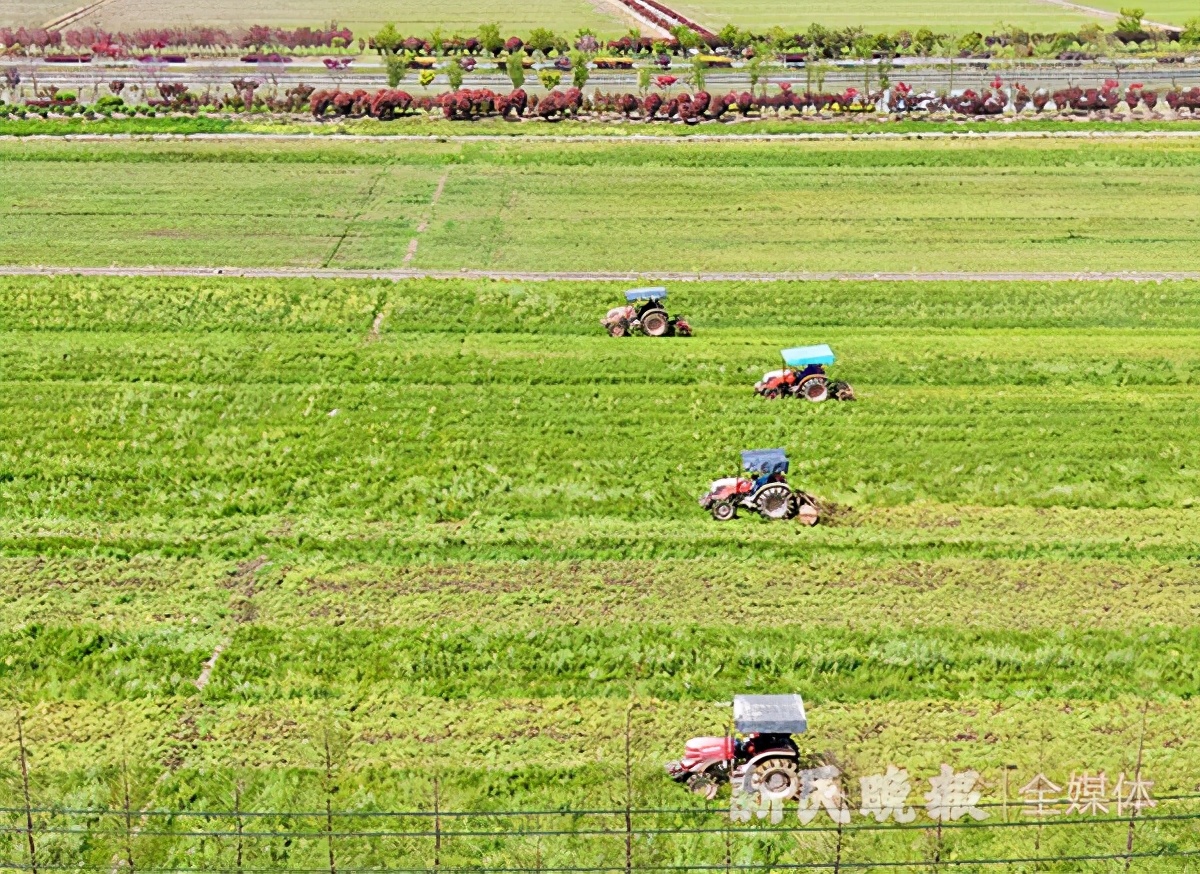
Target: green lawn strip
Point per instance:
(884, 206)
(1022, 595)
(424, 311)
(436, 126)
(109, 452)
(539, 753)
(1122, 358)
(918, 531)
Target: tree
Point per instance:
(1130, 20)
(1191, 32)
(490, 39)
(579, 69)
(454, 75)
(388, 40)
(643, 80)
(688, 38)
(698, 68)
(397, 68)
(754, 67)
(541, 40)
(516, 69)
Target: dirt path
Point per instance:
(1109, 16)
(616, 276)
(74, 15)
(623, 13)
(424, 225)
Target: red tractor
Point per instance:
(804, 377)
(644, 312)
(767, 493)
(765, 759)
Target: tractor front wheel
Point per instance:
(617, 330)
(807, 512)
(723, 511)
(703, 784)
(655, 323)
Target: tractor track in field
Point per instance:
(611, 276)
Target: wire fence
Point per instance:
(126, 839)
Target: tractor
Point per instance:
(764, 759)
(644, 311)
(803, 376)
(765, 491)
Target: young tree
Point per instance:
(579, 69)
(397, 68)
(516, 69)
(387, 40)
(454, 75)
(643, 80)
(698, 68)
(1130, 20)
(550, 79)
(541, 40)
(490, 39)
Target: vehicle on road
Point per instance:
(644, 312)
(803, 376)
(765, 491)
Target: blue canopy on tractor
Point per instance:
(764, 461)
(802, 356)
(769, 714)
(655, 293)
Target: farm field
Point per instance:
(940, 15)
(862, 206)
(469, 541)
(361, 17)
(1166, 11)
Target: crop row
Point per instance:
(816, 43)
(197, 596)
(221, 305)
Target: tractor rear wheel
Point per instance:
(723, 511)
(655, 323)
(774, 501)
(777, 777)
(815, 389)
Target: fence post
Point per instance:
(628, 789)
(1137, 778)
(437, 822)
(127, 805)
(329, 790)
(237, 813)
(32, 846)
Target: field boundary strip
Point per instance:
(599, 276)
(1107, 15)
(613, 137)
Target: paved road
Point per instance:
(465, 273)
(217, 74)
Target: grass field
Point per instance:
(472, 542)
(864, 206)
(361, 17)
(940, 15)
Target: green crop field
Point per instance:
(360, 16)
(723, 207)
(466, 545)
(940, 15)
